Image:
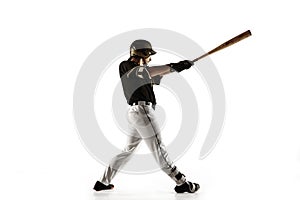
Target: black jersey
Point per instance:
(137, 82)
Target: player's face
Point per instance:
(147, 60)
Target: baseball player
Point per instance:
(137, 81)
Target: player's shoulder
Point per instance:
(126, 64)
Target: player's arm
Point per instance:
(166, 69)
(159, 70)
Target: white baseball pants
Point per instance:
(143, 125)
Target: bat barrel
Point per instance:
(226, 44)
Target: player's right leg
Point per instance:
(118, 161)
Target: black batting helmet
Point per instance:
(141, 48)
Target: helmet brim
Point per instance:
(152, 52)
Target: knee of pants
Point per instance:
(129, 149)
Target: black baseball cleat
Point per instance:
(187, 187)
(100, 186)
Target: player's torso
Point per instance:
(136, 82)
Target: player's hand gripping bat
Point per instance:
(226, 44)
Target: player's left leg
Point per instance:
(161, 155)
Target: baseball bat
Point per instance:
(226, 44)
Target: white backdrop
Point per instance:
(43, 45)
